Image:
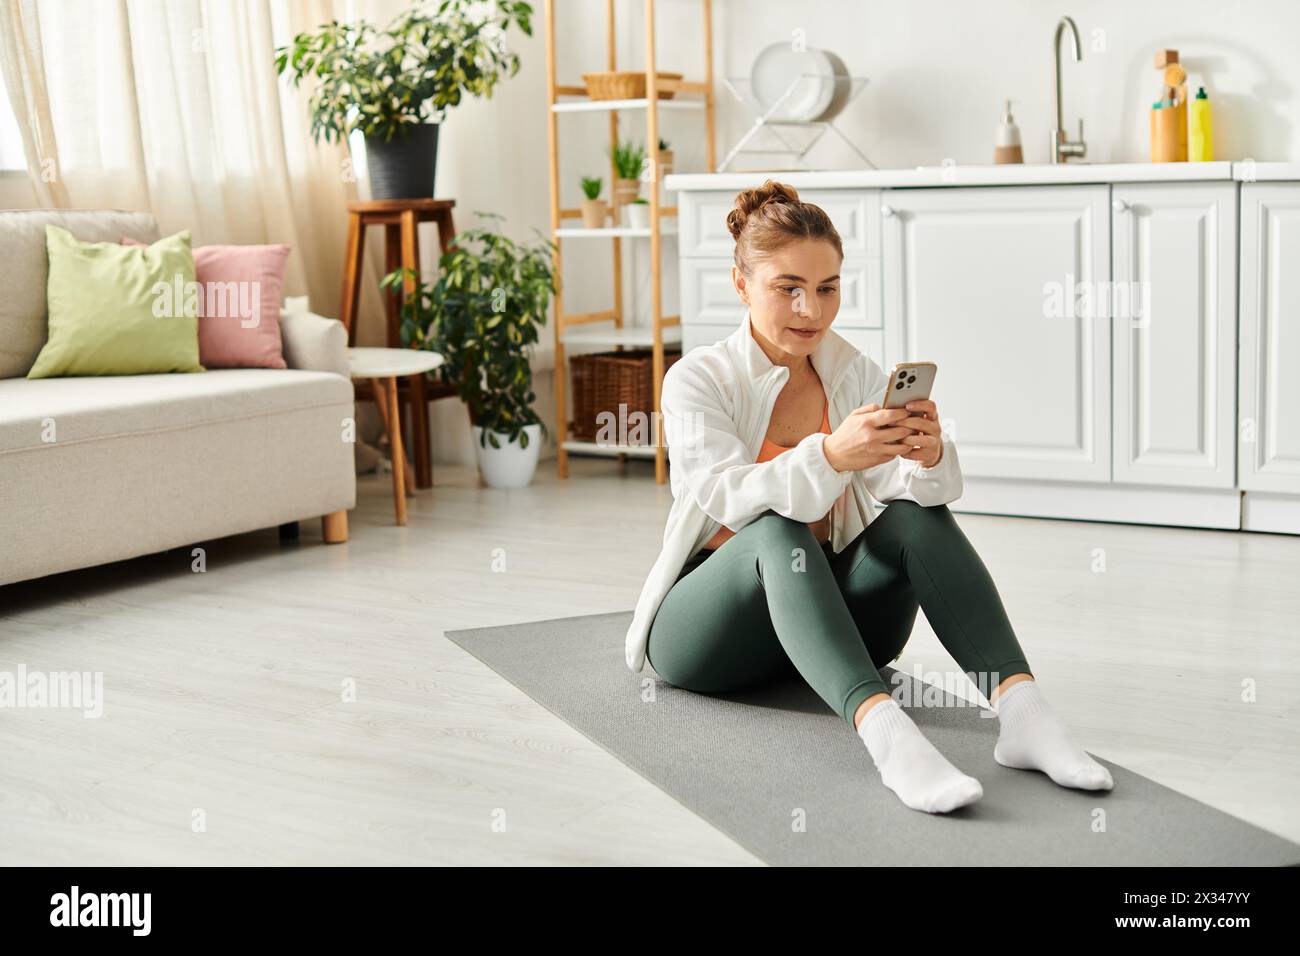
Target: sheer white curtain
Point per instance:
(174, 106)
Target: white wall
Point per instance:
(939, 71)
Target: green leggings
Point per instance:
(772, 598)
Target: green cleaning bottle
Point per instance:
(1202, 130)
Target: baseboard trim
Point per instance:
(1083, 501)
(1279, 514)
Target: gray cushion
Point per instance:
(23, 328)
(314, 342)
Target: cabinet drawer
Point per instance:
(855, 214)
(708, 295)
(860, 296)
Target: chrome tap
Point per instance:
(1062, 148)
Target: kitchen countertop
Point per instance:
(1249, 171)
(1009, 175)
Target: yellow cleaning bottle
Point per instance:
(1202, 132)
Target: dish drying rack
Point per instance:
(796, 137)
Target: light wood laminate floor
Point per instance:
(224, 690)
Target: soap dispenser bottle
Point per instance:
(1202, 134)
(1007, 148)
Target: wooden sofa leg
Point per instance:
(335, 527)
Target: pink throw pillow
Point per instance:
(241, 289)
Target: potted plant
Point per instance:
(395, 84)
(490, 300)
(594, 209)
(629, 161)
(638, 214)
(665, 160)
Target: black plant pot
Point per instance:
(403, 167)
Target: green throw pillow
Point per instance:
(119, 310)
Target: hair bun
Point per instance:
(751, 201)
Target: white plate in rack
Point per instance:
(841, 90)
(780, 65)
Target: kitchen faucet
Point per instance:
(1062, 148)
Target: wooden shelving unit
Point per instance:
(581, 329)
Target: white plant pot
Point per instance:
(638, 215)
(509, 466)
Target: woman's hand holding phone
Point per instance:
(868, 436)
(872, 435)
(926, 440)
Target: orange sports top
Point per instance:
(769, 451)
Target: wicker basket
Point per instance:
(623, 85)
(602, 381)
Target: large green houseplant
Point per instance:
(395, 84)
(488, 304)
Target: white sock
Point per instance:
(1033, 737)
(910, 765)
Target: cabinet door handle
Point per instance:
(1119, 205)
(886, 210)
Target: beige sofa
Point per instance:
(101, 469)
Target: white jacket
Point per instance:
(716, 404)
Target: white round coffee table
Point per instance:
(386, 366)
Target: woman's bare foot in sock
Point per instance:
(910, 765)
(1032, 736)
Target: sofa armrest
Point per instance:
(314, 342)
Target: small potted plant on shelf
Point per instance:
(629, 162)
(665, 158)
(395, 84)
(638, 214)
(482, 314)
(594, 209)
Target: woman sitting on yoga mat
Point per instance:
(773, 556)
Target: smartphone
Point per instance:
(909, 382)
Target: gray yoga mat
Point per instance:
(756, 764)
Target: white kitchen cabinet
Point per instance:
(1188, 414)
(854, 213)
(709, 297)
(1174, 306)
(972, 279)
(1269, 372)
